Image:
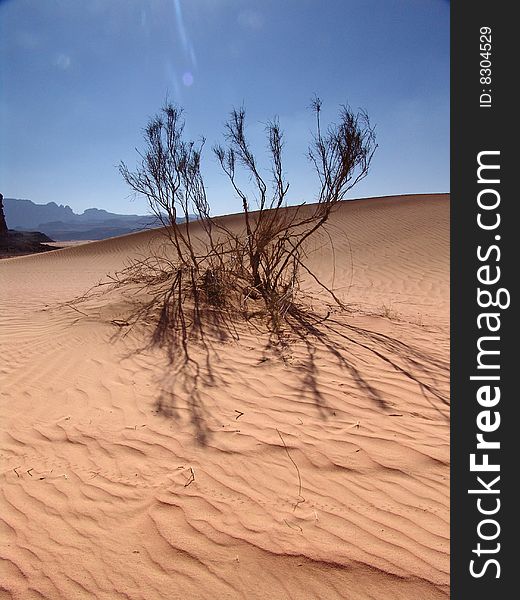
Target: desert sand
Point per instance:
(323, 473)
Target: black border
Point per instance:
(475, 129)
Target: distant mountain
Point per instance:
(62, 223)
(24, 214)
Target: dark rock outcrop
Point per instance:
(4, 232)
(14, 243)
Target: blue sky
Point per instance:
(79, 80)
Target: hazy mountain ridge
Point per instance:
(60, 222)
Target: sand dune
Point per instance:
(323, 475)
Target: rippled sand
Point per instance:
(324, 474)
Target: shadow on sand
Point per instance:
(190, 339)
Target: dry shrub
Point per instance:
(222, 275)
(209, 276)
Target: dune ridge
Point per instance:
(322, 475)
